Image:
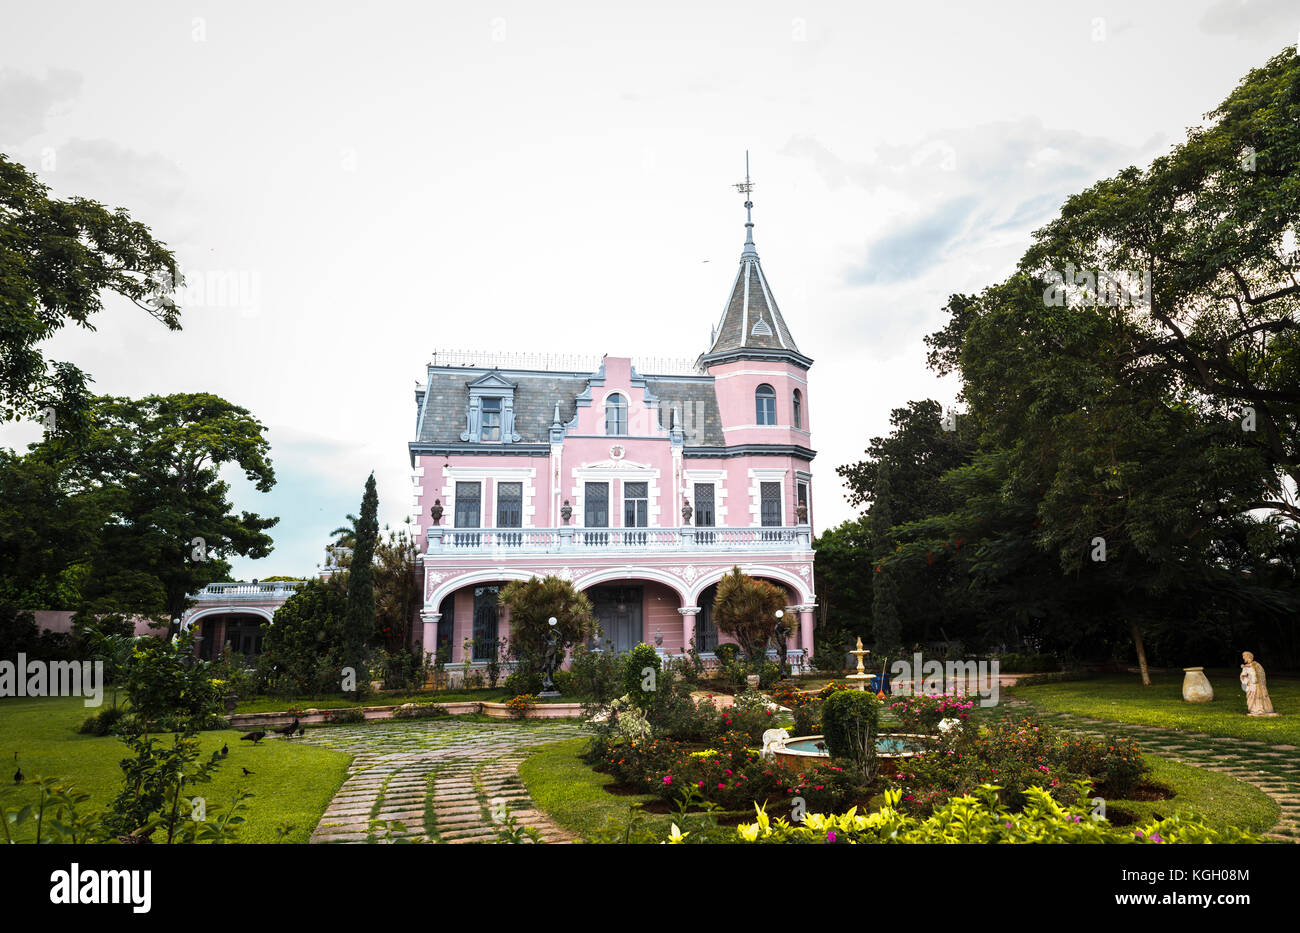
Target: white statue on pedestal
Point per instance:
(1252, 681)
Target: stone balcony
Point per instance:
(571, 540)
(232, 592)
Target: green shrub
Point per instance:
(597, 675)
(347, 714)
(519, 683)
(419, 711)
(641, 674)
(850, 720)
(103, 722)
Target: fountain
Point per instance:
(861, 676)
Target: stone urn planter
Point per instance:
(1196, 686)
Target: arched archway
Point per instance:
(240, 628)
(778, 575)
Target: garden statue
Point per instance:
(687, 512)
(566, 511)
(435, 511)
(781, 633)
(770, 738)
(1252, 681)
(1196, 686)
(552, 658)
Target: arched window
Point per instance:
(616, 415)
(798, 409)
(765, 404)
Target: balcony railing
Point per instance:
(228, 591)
(578, 540)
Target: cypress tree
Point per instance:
(885, 626)
(359, 624)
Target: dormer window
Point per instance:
(765, 405)
(490, 414)
(491, 431)
(616, 415)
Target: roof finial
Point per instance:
(745, 188)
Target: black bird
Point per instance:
(289, 730)
(301, 732)
(246, 772)
(253, 737)
(18, 775)
(225, 749)
(821, 746)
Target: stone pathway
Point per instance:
(1274, 769)
(441, 780)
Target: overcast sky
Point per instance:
(386, 179)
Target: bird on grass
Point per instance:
(225, 749)
(253, 737)
(18, 775)
(247, 772)
(289, 730)
(301, 732)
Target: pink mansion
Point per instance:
(642, 484)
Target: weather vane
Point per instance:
(746, 186)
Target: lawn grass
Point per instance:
(1122, 698)
(567, 790)
(1219, 800)
(290, 782)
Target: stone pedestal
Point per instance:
(1196, 686)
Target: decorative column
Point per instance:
(430, 620)
(688, 625)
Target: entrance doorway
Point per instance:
(618, 609)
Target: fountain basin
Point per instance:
(800, 751)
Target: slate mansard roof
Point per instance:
(442, 402)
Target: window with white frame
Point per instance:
(765, 405)
(616, 415)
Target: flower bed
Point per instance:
(1016, 755)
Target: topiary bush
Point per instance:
(850, 720)
(641, 674)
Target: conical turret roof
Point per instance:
(752, 326)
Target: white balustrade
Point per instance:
(573, 539)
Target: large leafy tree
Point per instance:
(303, 647)
(57, 259)
(151, 469)
(1213, 227)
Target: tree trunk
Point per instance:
(1136, 631)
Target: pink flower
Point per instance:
(668, 778)
(830, 836)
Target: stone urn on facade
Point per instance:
(566, 511)
(1196, 686)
